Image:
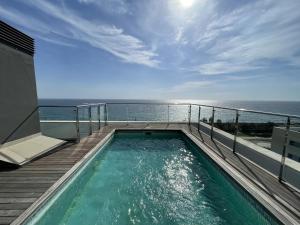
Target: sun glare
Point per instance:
(186, 3)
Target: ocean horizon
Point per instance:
(282, 107)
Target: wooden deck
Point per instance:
(20, 187)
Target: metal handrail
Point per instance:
(146, 103)
(163, 103)
(88, 105)
(214, 108)
(76, 110)
(236, 123)
(204, 105)
(57, 106)
(251, 111)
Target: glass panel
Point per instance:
(292, 162)
(58, 122)
(57, 113)
(205, 119)
(147, 112)
(84, 121)
(194, 116)
(102, 115)
(225, 120)
(95, 118)
(224, 126)
(206, 115)
(116, 112)
(260, 138)
(295, 124)
(138, 112)
(178, 113)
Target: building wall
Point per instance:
(18, 97)
(293, 142)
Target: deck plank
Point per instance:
(16, 200)
(20, 194)
(15, 206)
(10, 213)
(4, 220)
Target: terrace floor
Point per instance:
(20, 187)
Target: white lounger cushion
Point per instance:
(28, 149)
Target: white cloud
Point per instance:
(110, 6)
(257, 32)
(194, 85)
(23, 20)
(55, 41)
(222, 67)
(191, 85)
(37, 28)
(206, 38)
(99, 35)
(237, 78)
(295, 61)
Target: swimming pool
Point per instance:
(151, 178)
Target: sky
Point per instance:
(162, 49)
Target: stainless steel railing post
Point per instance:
(282, 164)
(199, 114)
(127, 115)
(105, 113)
(236, 127)
(77, 125)
(190, 112)
(90, 118)
(212, 123)
(168, 113)
(99, 117)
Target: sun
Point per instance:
(186, 3)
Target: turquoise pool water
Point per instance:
(151, 179)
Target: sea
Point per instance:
(158, 111)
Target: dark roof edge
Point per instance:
(16, 39)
